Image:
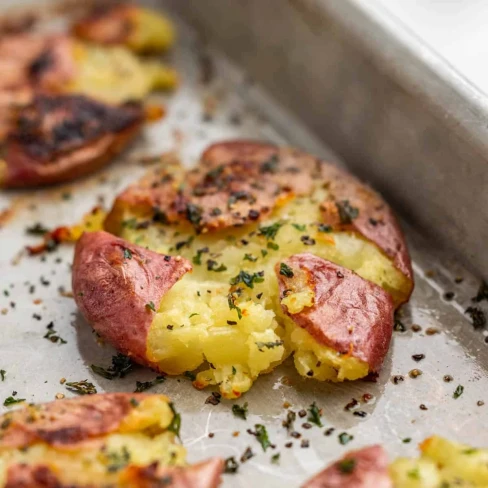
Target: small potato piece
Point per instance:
(364, 468)
(118, 287)
(117, 439)
(58, 138)
(140, 29)
(341, 310)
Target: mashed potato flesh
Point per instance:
(116, 75)
(227, 312)
(442, 464)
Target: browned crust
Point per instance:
(350, 314)
(61, 137)
(246, 180)
(114, 292)
(369, 470)
(67, 423)
(206, 474)
(107, 24)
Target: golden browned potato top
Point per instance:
(241, 182)
(68, 422)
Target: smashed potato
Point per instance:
(235, 222)
(138, 28)
(442, 463)
(119, 439)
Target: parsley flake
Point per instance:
(458, 392)
(121, 367)
(285, 270)
(346, 466)
(150, 306)
(240, 412)
(145, 385)
(127, 253)
(314, 415)
(12, 401)
(83, 387)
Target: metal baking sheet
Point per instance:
(31, 298)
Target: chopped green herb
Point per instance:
(83, 387)
(190, 375)
(150, 306)
(290, 419)
(193, 315)
(268, 345)
(347, 213)
(234, 370)
(471, 450)
(134, 402)
(482, 292)
(478, 317)
(458, 391)
(175, 424)
(127, 253)
(250, 257)
(275, 458)
(37, 230)
(271, 165)
(346, 466)
(117, 460)
(299, 227)
(261, 436)
(66, 196)
(324, 228)
(194, 214)
(212, 266)
(12, 401)
(285, 270)
(264, 253)
(407, 440)
(197, 259)
(314, 415)
(129, 223)
(273, 246)
(145, 385)
(121, 367)
(414, 474)
(239, 411)
(247, 278)
(52, 335)
(270, 231)
(159, 216)
(345, 438)
(232, 306)
(231, 465)
(3, 373)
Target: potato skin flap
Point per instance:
(364, 468)
(349, 314)
(118, 287)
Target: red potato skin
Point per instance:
(68, 423)
(206, 474)
(58, 138)
(107, 24)
(112, 291)
(259, 176)
(370, 471)
(351, 315)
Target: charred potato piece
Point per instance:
(342, 324)
(139, 29)
(442, 463)
(58, 138)
(364, 468)
(118, 287)
(245, 208)
(116, 439)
